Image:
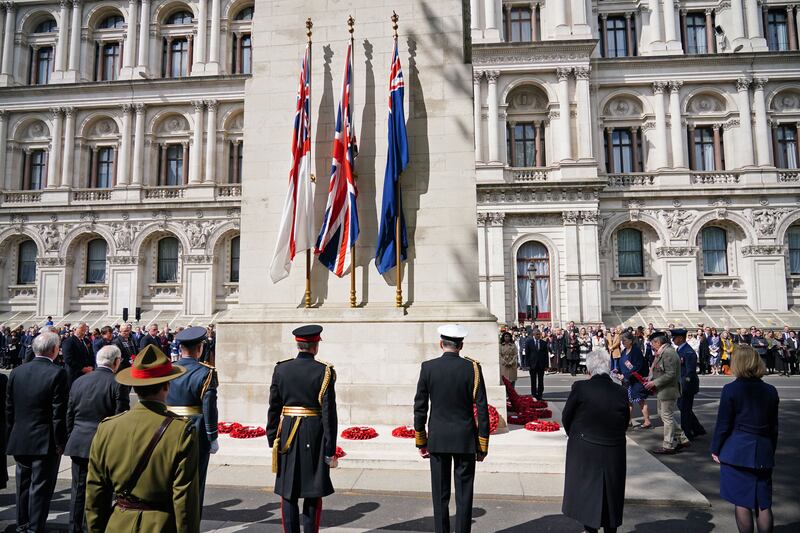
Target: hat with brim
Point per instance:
(150, 367)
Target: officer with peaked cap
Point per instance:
(690, 385)
(451, 384)
(194, 395)
(143, 463)
(301, 430)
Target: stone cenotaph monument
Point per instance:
(376, 347)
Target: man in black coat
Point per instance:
(77, 358)
(126, 344)
(106, 338)
(704, 352)
(36, 413)
(153, 338)
(93, 397)
(451, 384)
(537, 356)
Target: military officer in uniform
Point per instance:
(143, 472)
(301, 430)
(690, 385)
(453, 441)
(194, 395)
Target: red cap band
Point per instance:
(315, 338)
(155, 372)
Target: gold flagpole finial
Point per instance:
(395, 18)
(351, 25)
(309, 26)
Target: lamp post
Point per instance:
(532, 278)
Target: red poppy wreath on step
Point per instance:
(248, 432)
(494, 417)
(359, 433)
(404, 432)
(542, 426)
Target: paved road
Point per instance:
(230, 509)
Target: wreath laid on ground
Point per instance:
(542, 426)
(228, 427)
(339, 452)
(248, 432)
(359, 433)
(494, 417)
(404, 432)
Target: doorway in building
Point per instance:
(533, 262)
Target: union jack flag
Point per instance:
(339, 231)
(296, 232)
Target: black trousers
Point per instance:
(690, 425)
(290, 515)
(462, 467)
(537, 382)
(77, 501)
(573, 366)
(36, 481)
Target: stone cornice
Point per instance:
(676, 251)
(762, 249)
(547, 52)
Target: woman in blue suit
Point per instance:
(745, 439)
(634, 368)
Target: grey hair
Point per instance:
(597, 362)
(661, 339)
(107, 355)
(306, 346)
(82, 324)
(45, 343)
(627, 336)
(452, 344)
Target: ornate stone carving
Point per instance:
(198, 259)
(123, 260)
(477, 75)
(199, 232)
(788, 100)
(535, 220)
(163, 217)
(90, 217)
(767, 249)
(589, 217)
(492, 75)
(765, 221)
(623, 106)
(721, 205)
(677, 222)
(675, 251)
(51, 235)
(51, 261)
(743, 83)
(570, 217)
(482, 218)
(583, 73)
(659, 86)
(489, 57)
(649, 125)
(37, 130)
(496, 219)
(562, 73)
(174, 124)
(527, 98)
(706, 104)
(124, 234)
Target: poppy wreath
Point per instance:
(228, 427)
(520, 419)
(494, 417)
(403, 432)
(519, 403)
(359, 433)
(339, 452)
(248, 432)
(543, 413)
(542, 426)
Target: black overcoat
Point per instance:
(302, 471)
(595, 418)
(76, 357)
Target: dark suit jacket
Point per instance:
(76, 357)
(149, 339)
(746, 433)
(36, 408)
(127, 353)
(537, 356)
(93, 397)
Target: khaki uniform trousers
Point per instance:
(673, 435)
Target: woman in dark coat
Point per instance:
(573, 353)
(745, 439)
(595, 418)
(635, 370)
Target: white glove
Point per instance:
(214, 447)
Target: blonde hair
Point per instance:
(746, 363)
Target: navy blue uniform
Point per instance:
(690, 385)
(194, 394)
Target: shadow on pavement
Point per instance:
(425, 524)
(695, 522)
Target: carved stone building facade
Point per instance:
(642, 156)
(120, 157)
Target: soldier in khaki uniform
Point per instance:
(665, 379)
(143, 465)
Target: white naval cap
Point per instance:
(453, 331)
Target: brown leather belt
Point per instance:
(134, 505)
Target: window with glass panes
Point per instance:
(112, 22)
(715, 251)
(47, 26)
(622, 150)
(245, 14)
(175, 164)
(778, 30)
(794, 250)
(629, 252)
(38, 168)
(234, 260)
(179, 17)
(522, 144)
(26, 263)
(235, 149)
(109, 62)
(788, 153)
(704, 149)
(105, 167)
(518, 24)
(616, 44)
(168, 248)
(96, 250)
(696, 33)
(43, 65)
(179, 58)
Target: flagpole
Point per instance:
(351, 22)
(398, 253)
(309, 26)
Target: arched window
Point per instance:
(26, 264)
(629, 252)
(105, 167)
(715, 251)
(179, 17)
(794, 250)
(96, 251)
(46, 26)
(167, 260)
(533, 259)
(235, 260)
(36, 170)
(111, 22)
(245, 14)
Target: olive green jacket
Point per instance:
(170, 481)
(666, 374)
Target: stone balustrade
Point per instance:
(22, 197)
(726, 177)
(22, 291)
(525, 174)
(788, 176)
(164, 193)
(91, 195)
(627, 181)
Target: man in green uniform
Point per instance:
(143, 464)
(301, 429)
(665, 380)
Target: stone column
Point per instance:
(211, 143)
(710, 41)
(75, 39)
(123, 163)
(754, 29)
(558, 10)
(8, 44)
(676, 125)
(143, 63)
(791, 27)
(588, 234)
(539, 143)
(670, 29)
(604, 34)
(199, 59)
(737, 21)
(610, 167)
(130, 42)
(477, 101)
(762, 124)
(186, 165)
(5, 178)
(536, 26)
(629, 34)
(474, 15)
(494, 126)
(491, 31)
(744, 148)
(717, 147)
(564, 130)
(138, 146)
(55, 147)
(580, 25)
(661, 124)
(496, 264)
(656, 33)
(196, 154)
(636, 153)
(572, 268)
(584, 112)
(68, 165)
(61, 44)
(213, 64)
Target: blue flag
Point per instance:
(396, 162)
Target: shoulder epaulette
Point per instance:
(112, 417)
(210, 381)
(476, 368)
(212, 367)
(326, 380)
(324, 363)
(285, 360)
(471, 360)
